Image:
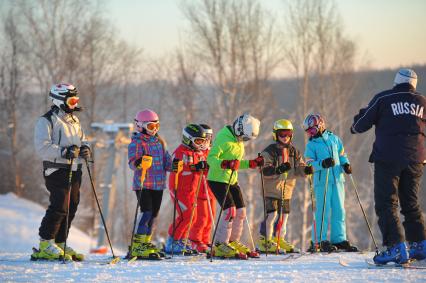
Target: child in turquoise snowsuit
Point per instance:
(325, 153)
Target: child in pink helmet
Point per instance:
(146, 141)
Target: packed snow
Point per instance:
(20, 219)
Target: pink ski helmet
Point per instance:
(148, 120)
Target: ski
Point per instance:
(409, 265)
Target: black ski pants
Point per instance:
(234, 197)
(397, 186)
(53, 225)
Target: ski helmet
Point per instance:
(406, 76)
(65, 97)
(209, 135)
(147, 120)
(282, 125)
(193, 136)
(246, 126)
(313, 124)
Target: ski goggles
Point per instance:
(312, 131)
(285, 133)
(152, 126)
(72, 101)
(199, 141)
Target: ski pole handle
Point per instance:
(145, 164)
(179, 169)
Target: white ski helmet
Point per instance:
(64, 96)
(246, 126)
(406, 76)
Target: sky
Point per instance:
(388, 33)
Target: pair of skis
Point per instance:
(371, 265)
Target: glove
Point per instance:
(175, 165)
(347, 168)
(283, 167)
(202, 165)
(85, 152)
(70, 152)
(257, 162)
(138, 162)
(230, 164)
(309, 170)
(328, 162)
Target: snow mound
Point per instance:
(20, 220)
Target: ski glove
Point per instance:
(230, 164)
(70, 152)
(347, 168)
(175, 165)
(284, 167)
(309, 170)
(202, 165)
(85, 152)
(257, 162)
(328, 162)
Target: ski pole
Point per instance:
(281, 219)
(220, 214)
(208, 202)
(115, 259)
(313, 207)
(194, 205)
(146, 163)
(264, 205)
(179, 169)
(323, 205)
(68, 208)
(251, 236)
(363, 212)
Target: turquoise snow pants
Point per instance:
(334, 212)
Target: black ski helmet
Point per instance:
(193, 136)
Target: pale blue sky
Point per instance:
(391, 32)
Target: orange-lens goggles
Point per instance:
(72, 101)
(150, 126)
(284, 133)
(199, 141)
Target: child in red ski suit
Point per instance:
(206, 205)
(189, 181)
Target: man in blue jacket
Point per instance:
(398, 155)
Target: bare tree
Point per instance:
(11, 80)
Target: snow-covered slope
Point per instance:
(19, 221)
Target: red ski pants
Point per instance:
(202, 226)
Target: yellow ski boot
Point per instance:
(48, 250)
(142, 249)
(288, 247)
(271, 244)
(224, 250)
(70, 251)
(244, 249)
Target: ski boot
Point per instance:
(244, 249)
(313, 248)
(188, 247)
(272, 246)
(346, 246)
(199, 247)
(177, 246)
(289, 248)
(224, 250)
(397, 253)
(149, 244)
(327, 247)
(143, 250)
(418, 250)
(70, 251)
(48, 250)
